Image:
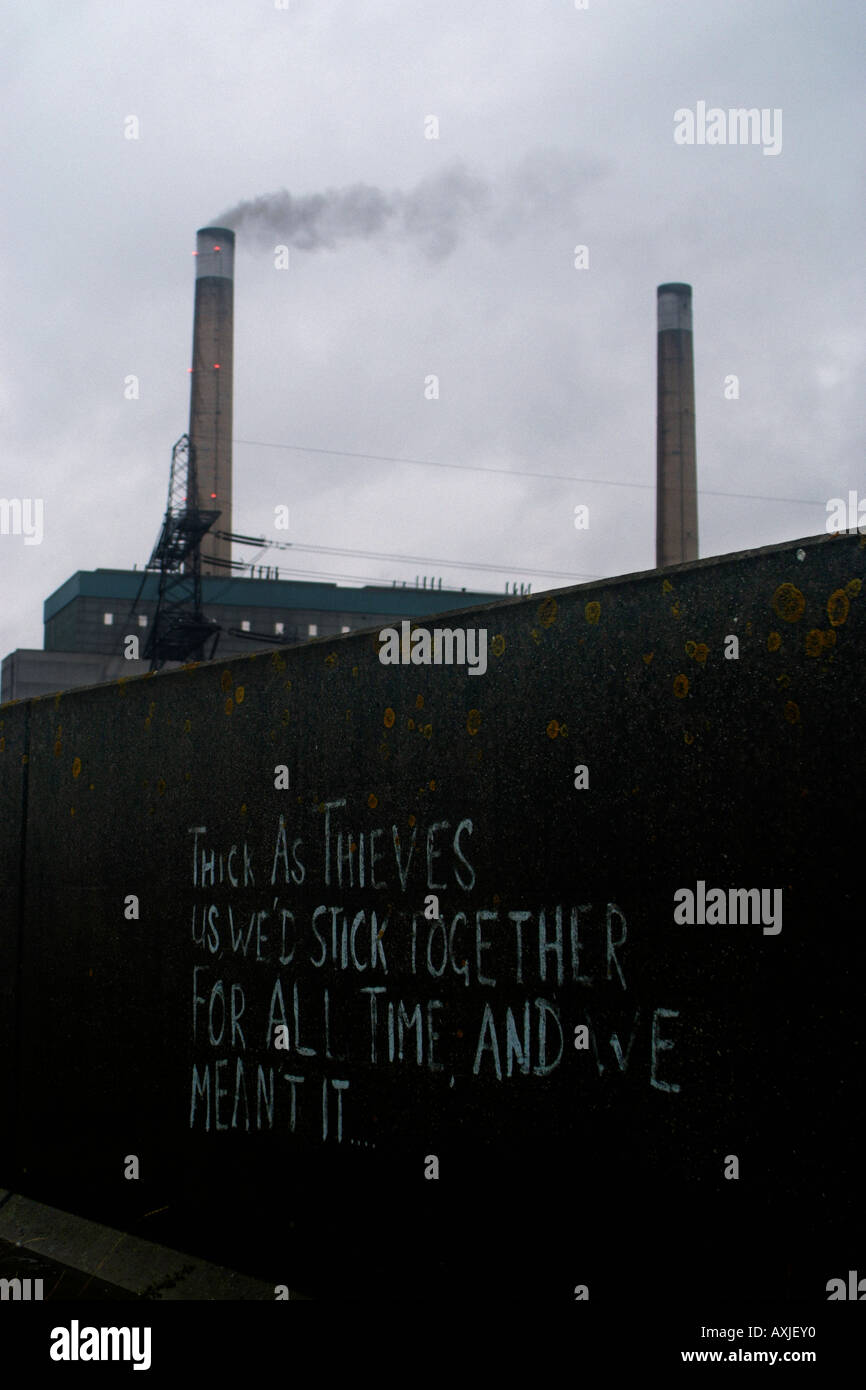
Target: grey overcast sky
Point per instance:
(555, 128)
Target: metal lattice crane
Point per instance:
(180, 630)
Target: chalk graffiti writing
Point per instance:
(281, 1022)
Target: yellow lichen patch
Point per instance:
(226, 681)
(388, 718)
(853, 587)
(473, 721)
(410, 723)
(687, 737)
(372, 801)
(190, 666)
(239, 695)
(592, 611)
(427, 731)
(681, 687)
(814, 642)
(648, 656)
(829, 637)
(160, 786)
(690, 648)
(838, 607)
(774, 642)
(243, 808)
(792, 712)
(667, 586)
(187, 728)
(419, 701)
(278, 662)
(384, 750)
(286, 717)
(331, 660)
(788, 603)
(675, 610)
(348, 715)
(535, 635)
(354, 670)
(497, 644)
(563, 731)
(784, 679)
(76, 767)
(229, 705)
(288, 685)
(547, 612)
(552, 729)
(702, 651)
(432, 784)
(58, 748)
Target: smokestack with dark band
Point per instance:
(676, 482)
(210, 406)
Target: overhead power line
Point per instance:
(518, 473)
(446, 564)
(365, 579)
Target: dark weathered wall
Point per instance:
(558, 1165)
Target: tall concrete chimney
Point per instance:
(210, 405)
(676, 469)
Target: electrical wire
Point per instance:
(516, 472)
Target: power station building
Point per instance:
(88, 619)
(193, 601)
(188, 594)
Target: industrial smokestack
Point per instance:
(676, 480)
(210, 405)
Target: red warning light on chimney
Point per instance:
(213, 495)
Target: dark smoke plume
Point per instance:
(434, 215)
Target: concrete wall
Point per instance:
(559, 1164)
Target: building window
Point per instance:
(142, 620)
(108, 619)
(279, 629)
(345, 628)
(313, 630)
(245, 625)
